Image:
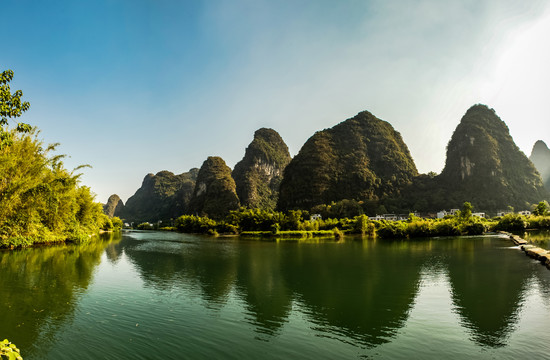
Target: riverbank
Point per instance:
(60, 241)
(532, 251)
(334, 234)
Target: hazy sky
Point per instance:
(138, 86)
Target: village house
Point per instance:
(315, 217)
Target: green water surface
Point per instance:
(151, 295)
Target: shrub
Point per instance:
(476, 228)
(419, 228)
(9, 351)
(511, 222)
(392, 230)
(117, 223)
(362, 225)
(145, 226)
(445, 227)
(539, 222)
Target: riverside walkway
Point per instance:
(532, 251)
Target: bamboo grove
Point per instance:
(40, 200)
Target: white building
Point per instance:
(315, 217)
(377, 217)
(390, 217)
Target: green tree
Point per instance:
(466, 213)
(40, 201)
(541, 209)
(117, 222)
(11, 107)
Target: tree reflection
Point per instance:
(40, 288)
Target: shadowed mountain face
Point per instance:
(258, 175)
(114, 206)
(362, 158)
(485, 166)
(540, 156)
(214, 193)
(161, 197)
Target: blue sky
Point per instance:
(136, 87)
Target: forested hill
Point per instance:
(161, 197)
(258, 175)
(215, 194)
(485, 166)
(362, 158)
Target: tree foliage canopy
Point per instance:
(40, 200)
(11, 106)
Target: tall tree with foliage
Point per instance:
(11, 107)
(541, 209)
(466, 213)
(40, 200)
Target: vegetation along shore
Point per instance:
(300, 224)
(40, 200)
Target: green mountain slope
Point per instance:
(362, 158)
(161, 197)
(214, 194)
(258, 175)
(485, 166)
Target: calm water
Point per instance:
(152, 295)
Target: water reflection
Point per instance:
(40, 288)
(540, 237)
(359, 292)
(487, 287)
(262, 286)
(167, 262)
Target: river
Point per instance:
(158, 295)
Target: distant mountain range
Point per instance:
(361, 161)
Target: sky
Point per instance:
(133, 87)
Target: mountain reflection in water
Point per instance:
(359, 293)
